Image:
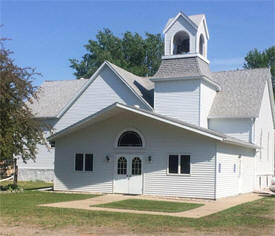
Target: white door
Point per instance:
(128, 174)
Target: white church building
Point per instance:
(185, 132)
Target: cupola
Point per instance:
(186, 36)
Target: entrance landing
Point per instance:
(209, 207)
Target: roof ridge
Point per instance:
(62, 80)
(123, 69)
(244, 69)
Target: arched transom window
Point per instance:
(130, 139)
(181, 43)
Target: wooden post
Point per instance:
(15, 171)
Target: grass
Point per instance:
(150, 205)
(22, 207)
(27, 185)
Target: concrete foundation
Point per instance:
(46, 175)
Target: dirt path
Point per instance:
(28, 230)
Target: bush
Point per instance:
(11, 188)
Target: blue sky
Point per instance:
(45, 34)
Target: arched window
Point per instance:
(181, 43)
(202, 45)
(129, 139)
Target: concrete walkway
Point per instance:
(210, 206)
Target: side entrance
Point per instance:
(128, 174)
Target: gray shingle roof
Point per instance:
(141, 85)
(182, 67)
(195, 18)
(241, 93)
(54, 95)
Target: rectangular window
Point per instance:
(234, 168)
(179, 164)
(79, 162)
(173, 164)
(185, 164)
(88, 162)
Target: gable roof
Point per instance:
(117, 107)
(197, 19)
(121, 75)
(171, 21)
(241, 93)
(184, 68)
(141, 85)
(53, 96)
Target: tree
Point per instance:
(131, 52)
(258, 59)
(20, 132)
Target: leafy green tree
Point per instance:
(259, 59)
(141, 56)
(20, 132)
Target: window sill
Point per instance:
(172, 174)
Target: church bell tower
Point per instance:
(186, 36)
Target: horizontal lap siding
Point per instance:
(248, 174)
(238, 128)
(160, 140)
(44, 158)
(207, 95)
(105, 90)
(264, 137)
(228, 182)
(100, 180)
(178, 99)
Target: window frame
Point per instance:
(179, 164)
(84, 160)
(119, 148)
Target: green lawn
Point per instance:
(21, 208)
(150, 205)
(27, 185)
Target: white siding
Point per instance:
(201, 30)
(207, 95)
(178, 99)
(238, 128)
(264, 128)
(44, 158)
(180, 25)
(231, 183)
(105, 90)
(44, 161)
(161, 140)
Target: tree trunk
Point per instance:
(15, 171)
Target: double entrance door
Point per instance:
(128, 174)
